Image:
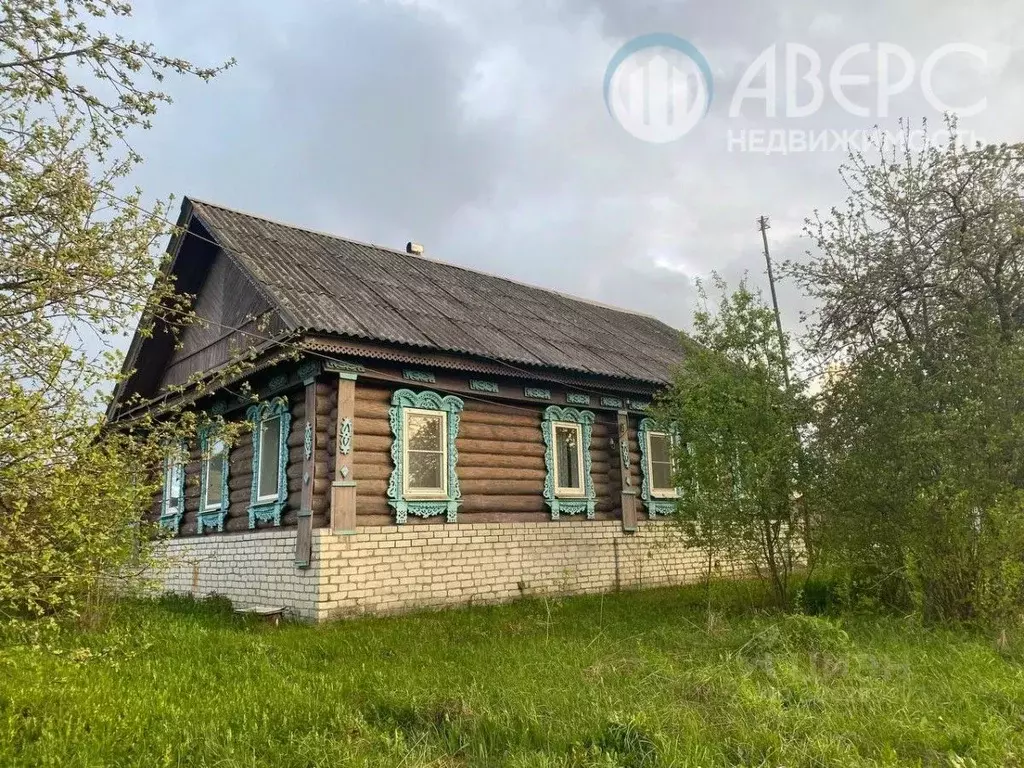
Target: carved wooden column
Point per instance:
(629, 500)
(304, 536)
(343, 489)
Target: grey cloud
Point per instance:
(480, 129)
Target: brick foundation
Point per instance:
(250, 569)
(390, 568)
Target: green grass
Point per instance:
(634, 680)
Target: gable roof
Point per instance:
(327, 284)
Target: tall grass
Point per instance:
(638, 680)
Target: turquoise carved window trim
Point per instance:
(656, 505)
(212, 515)
(447, 501)
(173, 487)
(268, 508)
(584, 503)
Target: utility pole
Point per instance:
(763, 225)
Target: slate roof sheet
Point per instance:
(337, 286)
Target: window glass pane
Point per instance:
(270, 448)
(214, 480)
(567, 454)
(172, 482)
(661, 473)
(661, 461)
(168, 479)
(424, 431)
(424, 471)
(660, 448)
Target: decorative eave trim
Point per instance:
(344, 369)
(641, 387)
(423, 377)
(308, 370)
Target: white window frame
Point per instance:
(172, 462)
(424, 493)
(207, 461)
(660, 493)
(560, 491)
(270, 497)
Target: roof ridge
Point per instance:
(369, 244)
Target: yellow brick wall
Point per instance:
(255, 568)
(390, 568)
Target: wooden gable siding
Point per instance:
(227, 301)
(501, 461)
(240, 474)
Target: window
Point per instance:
(213, 466)
(740, 475)
(270, 424)
(424, 481)
(657, 443)
(213, 480)
(660, 466)
(173, 502)
(568, 459)
(269, 467)
(426, 453)
(174, 470)
(568, 488)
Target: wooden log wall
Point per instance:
(501, 461)
(240, 475)
(326, 401)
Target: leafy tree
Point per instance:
(738, 452)
(921, 476)
(920, 284)
(926, 242)
(76, 267)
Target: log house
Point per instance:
(420, 434)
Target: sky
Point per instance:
(479, 127)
